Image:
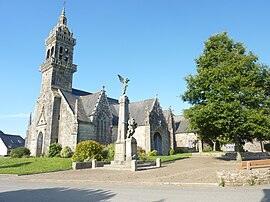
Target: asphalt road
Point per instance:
(13, 190)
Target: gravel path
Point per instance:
(189, 170)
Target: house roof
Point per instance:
(181, 125)
(11, 141)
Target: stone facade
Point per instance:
(66, 115)
(186, 139)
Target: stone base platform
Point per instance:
(123, 165)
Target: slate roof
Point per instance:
(12, 141)
(86, 103)
(114, 110)
(181, 125)
(77, 92)
(137, 110)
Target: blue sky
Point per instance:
(153, 42)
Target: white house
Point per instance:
(9, 142)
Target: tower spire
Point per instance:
(62, 20)
(64, 9)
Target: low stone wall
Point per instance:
(84, 165)
(81, 165)
(248, 155)
(232, 155)
(126, 165)
(209, 154)
(243, 178)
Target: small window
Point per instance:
(61, 49)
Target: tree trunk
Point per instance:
(214, 144)
(237, 149)
(261, 146)
(200, 144)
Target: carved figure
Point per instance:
(132, 125)
(124, 81)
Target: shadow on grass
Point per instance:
(57, 194)
(15, 165)
(174, 160)
(150, 165)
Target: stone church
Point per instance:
(67, 116)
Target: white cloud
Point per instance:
(14, 116)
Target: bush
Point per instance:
(140, 150)
(20, 152)
(66, 152)
(142, 154)
(267, 147)
(87, 150)
(209, 149)
(171, 152)
(152, 153)
(54, 150)
(108, 153)
(179, 150)
(221, 182)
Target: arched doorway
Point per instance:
(39, 144)
(158, 143)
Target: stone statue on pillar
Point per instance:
(124, 81)
(131, 143)
(132, 125)
(124, 145)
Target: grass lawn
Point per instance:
(171, 158)
(33, 165)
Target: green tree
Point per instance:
(229, 96)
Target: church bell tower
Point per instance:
(57, 74)
(58, 68)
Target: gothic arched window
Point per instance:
(61, 53)
(48, 54)
(52, 50)
(102, 129)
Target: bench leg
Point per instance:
(248, 165)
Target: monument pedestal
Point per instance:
(119, 152)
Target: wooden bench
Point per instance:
(255, 164)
